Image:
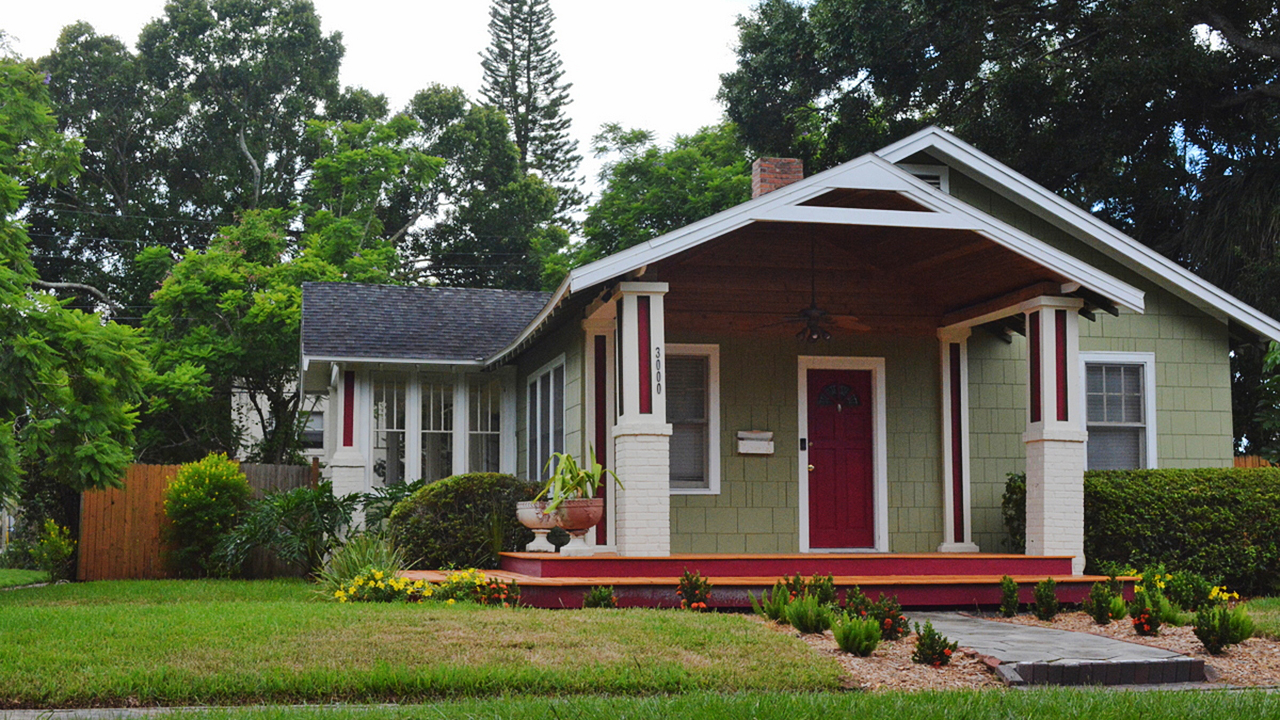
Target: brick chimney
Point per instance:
(769, 174)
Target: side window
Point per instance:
(545, 418)
(437, 427)
(693, 409)
(485, 441)
(1116, 406)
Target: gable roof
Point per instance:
(358, 322)
(1151, 265)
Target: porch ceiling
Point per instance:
(900, 281)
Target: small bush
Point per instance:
(363, 551)
(694, 591)
(823, 588)
(857, 635)
(53, 551)
(1119, 608)
(932, 647)
(498, 593)
(203, 503)
(461, 585)
(1046, 596)
(301, 526)
(1218, 626)
(1008, 596)
(773, 605)
(888, 614)
(809, 616)
(600, 596)
(1152, 583)
(1189, 591)
(462, 521)
(1098, 604)
(376, 585)
(1146, 614)
(856, 603)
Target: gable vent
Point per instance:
(939, 176)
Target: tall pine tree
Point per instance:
(522, 78)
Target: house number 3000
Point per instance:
(657, 369)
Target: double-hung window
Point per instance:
(693, 409)
(1119, 405)
(545, 428)
(437, 427)
(485, 441)
(388, 428)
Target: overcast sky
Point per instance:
(653, 65)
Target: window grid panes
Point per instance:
(545, 420)
(1116, 409)
(437, 428)
(485, 441)
(388, 428)
(687, 402)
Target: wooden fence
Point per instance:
(1251, 461)
(120, 529)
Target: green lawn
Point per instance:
(1266, 615)
(1051, 704)
(15, 578)
(226, 642)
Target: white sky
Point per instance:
(654, 64)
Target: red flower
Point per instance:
(947, 652)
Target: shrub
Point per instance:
(1188, 590)
(1216, 522)
(378, 504)
(360, 552)
(461, 585)
(462, 521)
(1098, 604)
(301, 526)
(772, 606)
(856, 603)
(1046, 596)
(1145, 614)
(888, 614)
(856, 635)
(1152, 584)
(376, 585)
(1008, 596)
(1119, 608)
(202, 502)
(694, 591)
(1218, 626)
(53, 550)
(932, 647)
(823, 588)
(809, 616)
(498, 593)
(600, 596)
(1013, 509)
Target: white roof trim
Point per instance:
(1082, 225)
(308, 359)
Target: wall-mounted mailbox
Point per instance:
(755, 442)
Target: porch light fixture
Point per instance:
(813, 333)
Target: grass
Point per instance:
(227, 642)
(1048, 704)
(1266, 616)
(17, 578)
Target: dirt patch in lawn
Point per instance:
(1254, 662)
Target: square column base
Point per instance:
(1055, 497)
(643, 503)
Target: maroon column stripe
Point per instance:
(646, 362)
(1033, 353)
(1060, 364)
(602, 427)
(957, 447)
(348, 408)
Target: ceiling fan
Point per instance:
(815, 319)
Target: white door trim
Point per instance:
(879, 445)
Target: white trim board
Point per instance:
(879, 445)
(1080, 224)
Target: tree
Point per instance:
(651, 190)
(72, 381)
(1159, 116)
(522, 78)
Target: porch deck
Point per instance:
(918, 580)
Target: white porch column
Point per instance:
(1054, 438)
(957, 530)
(347, 465)
(642, 436)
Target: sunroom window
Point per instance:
(545, 427)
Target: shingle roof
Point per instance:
(352, 320)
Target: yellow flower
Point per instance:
(377, 574)
(450, 601)
(339, 594)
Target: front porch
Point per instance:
(959, 580)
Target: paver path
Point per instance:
(1025, 643)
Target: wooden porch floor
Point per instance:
(917, 580)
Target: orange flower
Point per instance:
(947, 652)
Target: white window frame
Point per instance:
(531, 428)
(712, 353)
(1148, 362)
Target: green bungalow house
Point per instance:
(849, 362)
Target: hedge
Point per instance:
(462, 521)
(1221, 523)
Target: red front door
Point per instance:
(841, 513)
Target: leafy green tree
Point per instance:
(72, 381)
(523, 79)
(650, 190)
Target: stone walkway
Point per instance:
(1035, 655)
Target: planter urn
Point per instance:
(576, 517)
(533, 515)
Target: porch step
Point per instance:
(551, 565)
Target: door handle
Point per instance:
(810, 468)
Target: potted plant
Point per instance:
(570, 496)
(533, 514)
